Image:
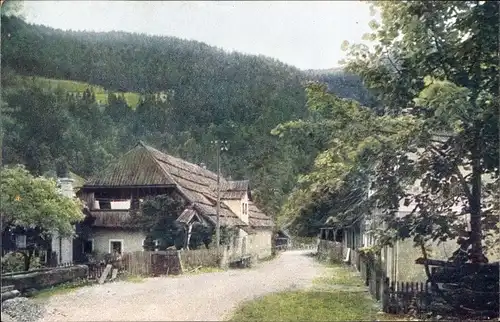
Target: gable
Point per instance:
(135, 168)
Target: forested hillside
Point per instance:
(208, 94)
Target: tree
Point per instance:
(438, 60)
(157, 218)
(34, 206)
(201, 235)
(350, 138)
(12, 8)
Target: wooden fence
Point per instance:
(199, 257)
(95, 271)
(401, 297)
(137, 263)
(155, 263)
(395, 297)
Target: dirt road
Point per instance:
(204, 297)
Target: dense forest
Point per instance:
(209, 94)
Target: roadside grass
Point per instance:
(60, 289)
(73, 286)
(201, 270)
(307, 306)
(338, 295)
(338, 275)
(134, 279)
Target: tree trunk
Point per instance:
(27, 259)
(475, 202)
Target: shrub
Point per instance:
(14, 262)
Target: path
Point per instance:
(204, 297)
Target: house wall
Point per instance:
(235, 206)
(63, 250)
(63, 247)
(261, 243)
(399, 261)
(236, 245)
(244, 217)
(132, 241)
(258, 244)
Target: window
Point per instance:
(88, 246)
(244, 209)
(20, 241)
(115, 246)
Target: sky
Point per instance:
(306, 34)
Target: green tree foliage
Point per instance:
(201, 235)
(435, 77)
(33, 206)
(343, 84)
(11, 8)
(439, 59)
(157, 218)
(349, 138)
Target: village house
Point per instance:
(144, 171)
(398, 260)
(283, 239)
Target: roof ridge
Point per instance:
(180, 160)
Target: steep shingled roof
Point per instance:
(233, 190)
(146, 166)
(135, 168)
(257, 218)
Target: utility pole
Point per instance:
(220, 146)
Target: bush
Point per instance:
(14, 262)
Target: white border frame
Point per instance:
(116, 240)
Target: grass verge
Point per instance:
(307, 306)
(59, 289)
(338, 295)
(339, 276)
(134, 279)
(202, 270)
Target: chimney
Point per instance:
(66, 187)
(203, 165)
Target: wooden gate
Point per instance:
(163, 263)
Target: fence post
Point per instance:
(179, 259)
(385, 295)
